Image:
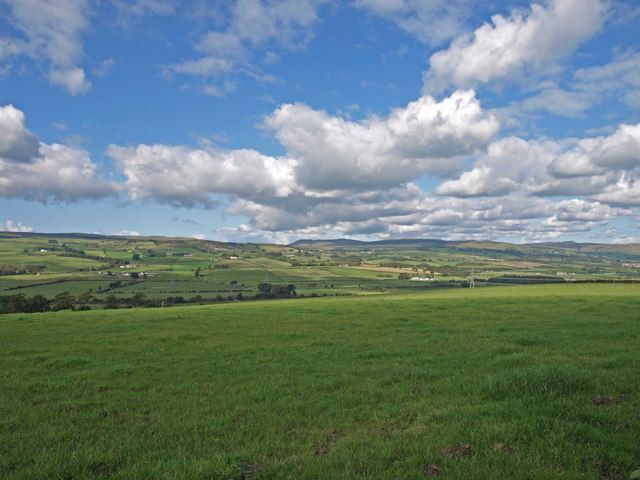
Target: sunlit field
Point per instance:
(520, 382)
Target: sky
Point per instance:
(272, 121)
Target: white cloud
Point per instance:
(588, 166)
(127, 233)
(354, 178)
(325, 155)
(17, 143)
(618, 80)
(73, 80)
(59, 173)
(183, 176)
(138, 8)
(33, 170)
(508, 45)
(592, 156)
(410, 212)
(104, 68)
(624, 193)
(255, 27)
(509, 164)
(52, 31)
(620, 77)
(13, 226)
(430, 21)
(558, 101)
(9, 48)
(425, 136)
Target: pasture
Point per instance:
(522, 382)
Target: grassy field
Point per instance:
(535, 382)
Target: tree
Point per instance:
(111, 301)
(135, 257)
(63, 301)
(197, 272)
(38, 303)
(268, 290)
(404, 276)
(13, 303)
(139, 299)
(85, 297)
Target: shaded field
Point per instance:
(535, 382)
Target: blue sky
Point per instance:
(271, 121)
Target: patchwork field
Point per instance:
(79, 271)
(521, 382)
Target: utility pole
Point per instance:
(472, 283)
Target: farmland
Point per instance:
(511, 382)
(94, 272)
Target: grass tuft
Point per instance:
(535, 382)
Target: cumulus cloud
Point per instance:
(411, 212)
(590, 166)
(325, 155)
(59, 173)
(184, 176)
(508, 45)
(13, 226)
(509, 164)
(356, 178)
(17, 143)
(34, 170)
(618, 151)
(51, 31)
(425, 136)
(624, 193)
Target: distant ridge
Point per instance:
(98, 236)
(338, 242)
(627, 248)
(630, 248)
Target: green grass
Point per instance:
(335, 388)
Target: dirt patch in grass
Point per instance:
(501, 447)
(610, 471)
(432, 470)
(327, 444)
(250, 470)
(459, 450)
(603, 400)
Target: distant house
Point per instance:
(44, 250)
(233, 258)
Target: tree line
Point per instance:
(20, 303)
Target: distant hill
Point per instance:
(341, 243)
(627, 248)
(346, 242)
